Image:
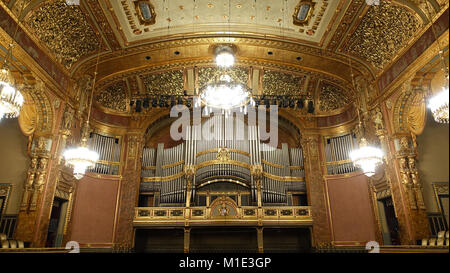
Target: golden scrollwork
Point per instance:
(64, 30)
(114, 97)
(168, 83)
(383, 31)
(205, 74)
(223, 155)
(332, 97)
(279, 83)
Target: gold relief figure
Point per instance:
(416, 182)
(37, 186)
(41, 172)
(29, 183)
(406, 181)
(67, 119)
(404, 171)
(378, 119)
(42, 143)
(404, 144)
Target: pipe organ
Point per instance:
(109, 149)
(227, 156)
(337, 150)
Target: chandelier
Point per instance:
(439, 106)
(81, 158)
(367, 158)
(11, 100)
(223, 92)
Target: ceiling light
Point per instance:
(80, 159)
(224, 56)
(11, 100)
(367, 158)
(439, 106)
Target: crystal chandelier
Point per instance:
(81, 158)
(223, 92)
(367, 157)
(439, 106)
(11, 100)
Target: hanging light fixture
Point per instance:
(366, 157)
(223, 92)
(438, 104)
(11, 100)
(81, 158)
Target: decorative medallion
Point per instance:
(303, 12)
(145, 12)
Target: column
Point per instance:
(260, 236)
(128, 192)
(187, 239)
(315, 184)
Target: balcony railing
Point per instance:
(157, 216)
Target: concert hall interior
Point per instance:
(224, 126)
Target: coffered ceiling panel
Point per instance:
(158, 18)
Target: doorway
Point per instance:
(390, 220)
(57, 221)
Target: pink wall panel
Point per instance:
(94, 211)
(351, 210)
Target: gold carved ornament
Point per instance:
(383, 31)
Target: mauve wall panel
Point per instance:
(351, 209)
(94, 210)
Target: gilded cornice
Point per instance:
(285, 53)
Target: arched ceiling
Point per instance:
(334, 34)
